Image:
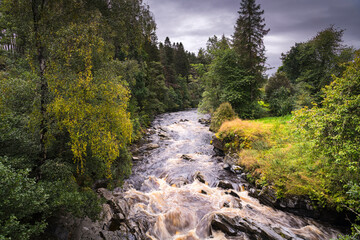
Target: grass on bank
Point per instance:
(274, 154)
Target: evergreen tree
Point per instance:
(181, 60)
(248, 41)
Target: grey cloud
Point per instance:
(194, 21)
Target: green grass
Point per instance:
(278, 157)
(275, 120)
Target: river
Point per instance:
(173, 191)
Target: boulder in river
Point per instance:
(218, 146)
(205, 121)
(187, 157)
(199, 177)
(246, 228)
(152, 146)
(225, 184)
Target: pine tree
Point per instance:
(248, 37)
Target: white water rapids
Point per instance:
(173, 192)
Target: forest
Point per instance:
(82, 80)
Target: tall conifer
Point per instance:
(248, 37)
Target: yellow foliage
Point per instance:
(249, 129)
(91, 108)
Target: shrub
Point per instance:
(224, 113)
(238, 134)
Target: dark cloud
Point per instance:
(194, 21)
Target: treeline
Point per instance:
(79, 81)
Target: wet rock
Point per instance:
(163, 136)
(218, 146)
(152, 146)
(204, 121)
(231, 159)
(226, 166)
(107, 213)
(232, 193)
(227, 205)
(199, 177)
(187, 157)
(243, 176)
(236, 169)
(225, 184)
(237, 226)
(105, 194)
(151, 131)
(237, 203)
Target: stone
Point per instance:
(231, 159)
(163, 136)
(225, 184)
(203, 192)
(105, 193)
(204, 121)
(217, 143)
(237, 226)
(234, 194)
(107, 213)
(236, 169)
(226, 166)
(135, 159)
(227, 205)
(152, 146)
(199, 177)
(187, 157)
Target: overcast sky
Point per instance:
(192, 22)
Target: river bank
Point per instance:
(278, 165)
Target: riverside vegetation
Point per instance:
(81, 80)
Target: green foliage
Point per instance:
(228, 81)
(90, 106)
(279, 94)
(311, 64)
(334, 129)
(224, 113)
(20, 199)
(248, 42)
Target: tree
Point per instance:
(248, 38)
(181, 60)
(334, 129)
(310, 65)
(89, 104)
(279, 94)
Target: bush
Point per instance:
(224, 113)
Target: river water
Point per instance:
(173, 191)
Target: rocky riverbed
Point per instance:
(181, 189)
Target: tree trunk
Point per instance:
(37, 7)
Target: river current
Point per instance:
(179, 190)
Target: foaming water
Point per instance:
(172, 192)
